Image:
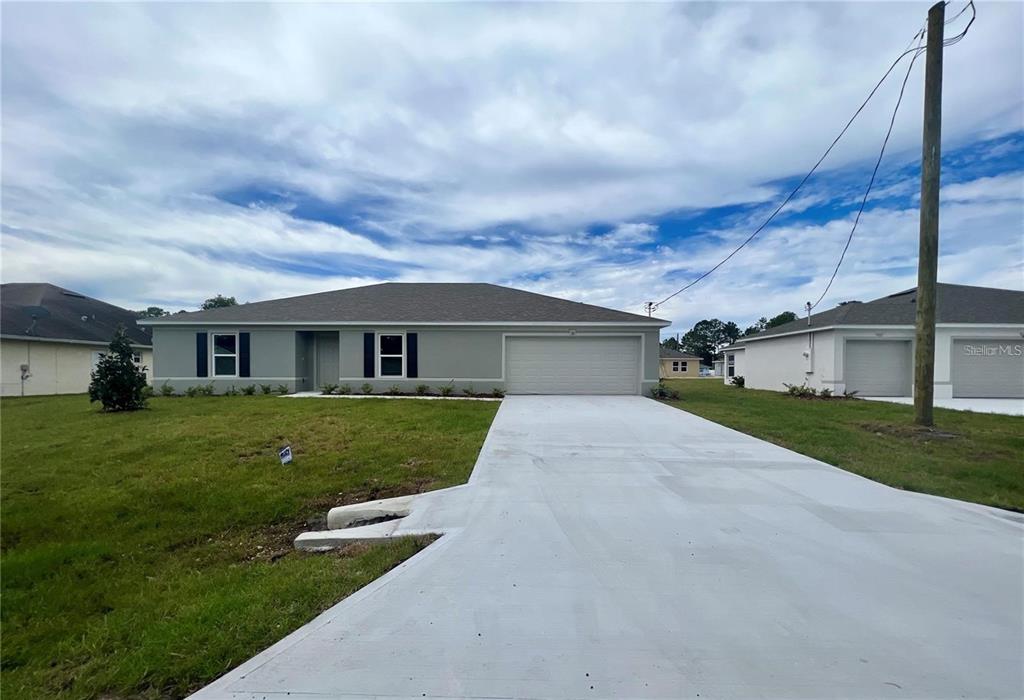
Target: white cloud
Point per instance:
(516, 127)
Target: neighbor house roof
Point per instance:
(48, 312)
(396, 302)
(670, 354)
(955, 303)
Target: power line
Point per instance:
(651, 306)
(892, 121)
(874, 174)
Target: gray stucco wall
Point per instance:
(470, 357)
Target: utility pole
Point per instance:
(928, 255)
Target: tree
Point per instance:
(151, 312)
(218, 302)
(670, 342)
(117, 382)
(766, 323)
(708, 337)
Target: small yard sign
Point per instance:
(285, 453)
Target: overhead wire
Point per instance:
(918, 37)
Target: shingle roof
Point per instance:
(669, 353)
(955, 303)
(45, 311)
(395, 302)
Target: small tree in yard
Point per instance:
(117, 382)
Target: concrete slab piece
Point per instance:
(689, 559)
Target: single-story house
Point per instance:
(479, 336)
(869, 347)
(51, 338)
(676, 364)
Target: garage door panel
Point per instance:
(878, 367)
(989, 368)
(572, 365)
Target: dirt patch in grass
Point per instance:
(914, 433)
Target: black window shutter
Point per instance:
(369, 356)
(243, 355)
(201, 356)
(412, 360)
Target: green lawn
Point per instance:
(145, 554)
(970, 456)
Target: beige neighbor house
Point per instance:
(51, 338)
(678, 365)
(868, 347)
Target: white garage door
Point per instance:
(878, 367)
(988, 369)
(572, 365)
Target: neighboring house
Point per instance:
(478, 336)
(678, 365)
(51, 338)
(869, 347)
(718, 368)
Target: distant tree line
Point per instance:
(216, 302)
(707, 338)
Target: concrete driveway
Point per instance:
(613, 547)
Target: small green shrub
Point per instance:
(825, 393)
(282, 388)
(148, 392)
(207, 389)
(445, 390)
(328, 389)
(344, 389)
(738, 381)
(469, 391)
(266, 389)
(192, 391)
(800, 391)
(660, 391)
(498, 393)
(249, 390)
(166, 389)
(422, 389)
(366, 388)
(117, 382)
(393, 390)
(232, 391)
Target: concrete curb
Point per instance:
(315, 395)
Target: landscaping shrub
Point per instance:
(498, 393)
(232, 391)
(192, 391)
(249, 390)
(344, 389)
(366, 388)
(445, 390)
(117, 382)
(206, 389)
(738, 381)
(266, 388)
(660, 391)
(166, 389)
(422, 389)
(282, 388)
(469, 391)
(328, 389)
(393, 390)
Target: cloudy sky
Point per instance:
(158, 154)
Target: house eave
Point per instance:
(69, 341)
(654, 323)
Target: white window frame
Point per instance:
(675, 365)
(730, 365)
(214, 355)
(405, 351)
(682, 365)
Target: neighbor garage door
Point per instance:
(572, 365)
(878, 367)
(990, 369)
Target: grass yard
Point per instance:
(144, 554)
(970, 456)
